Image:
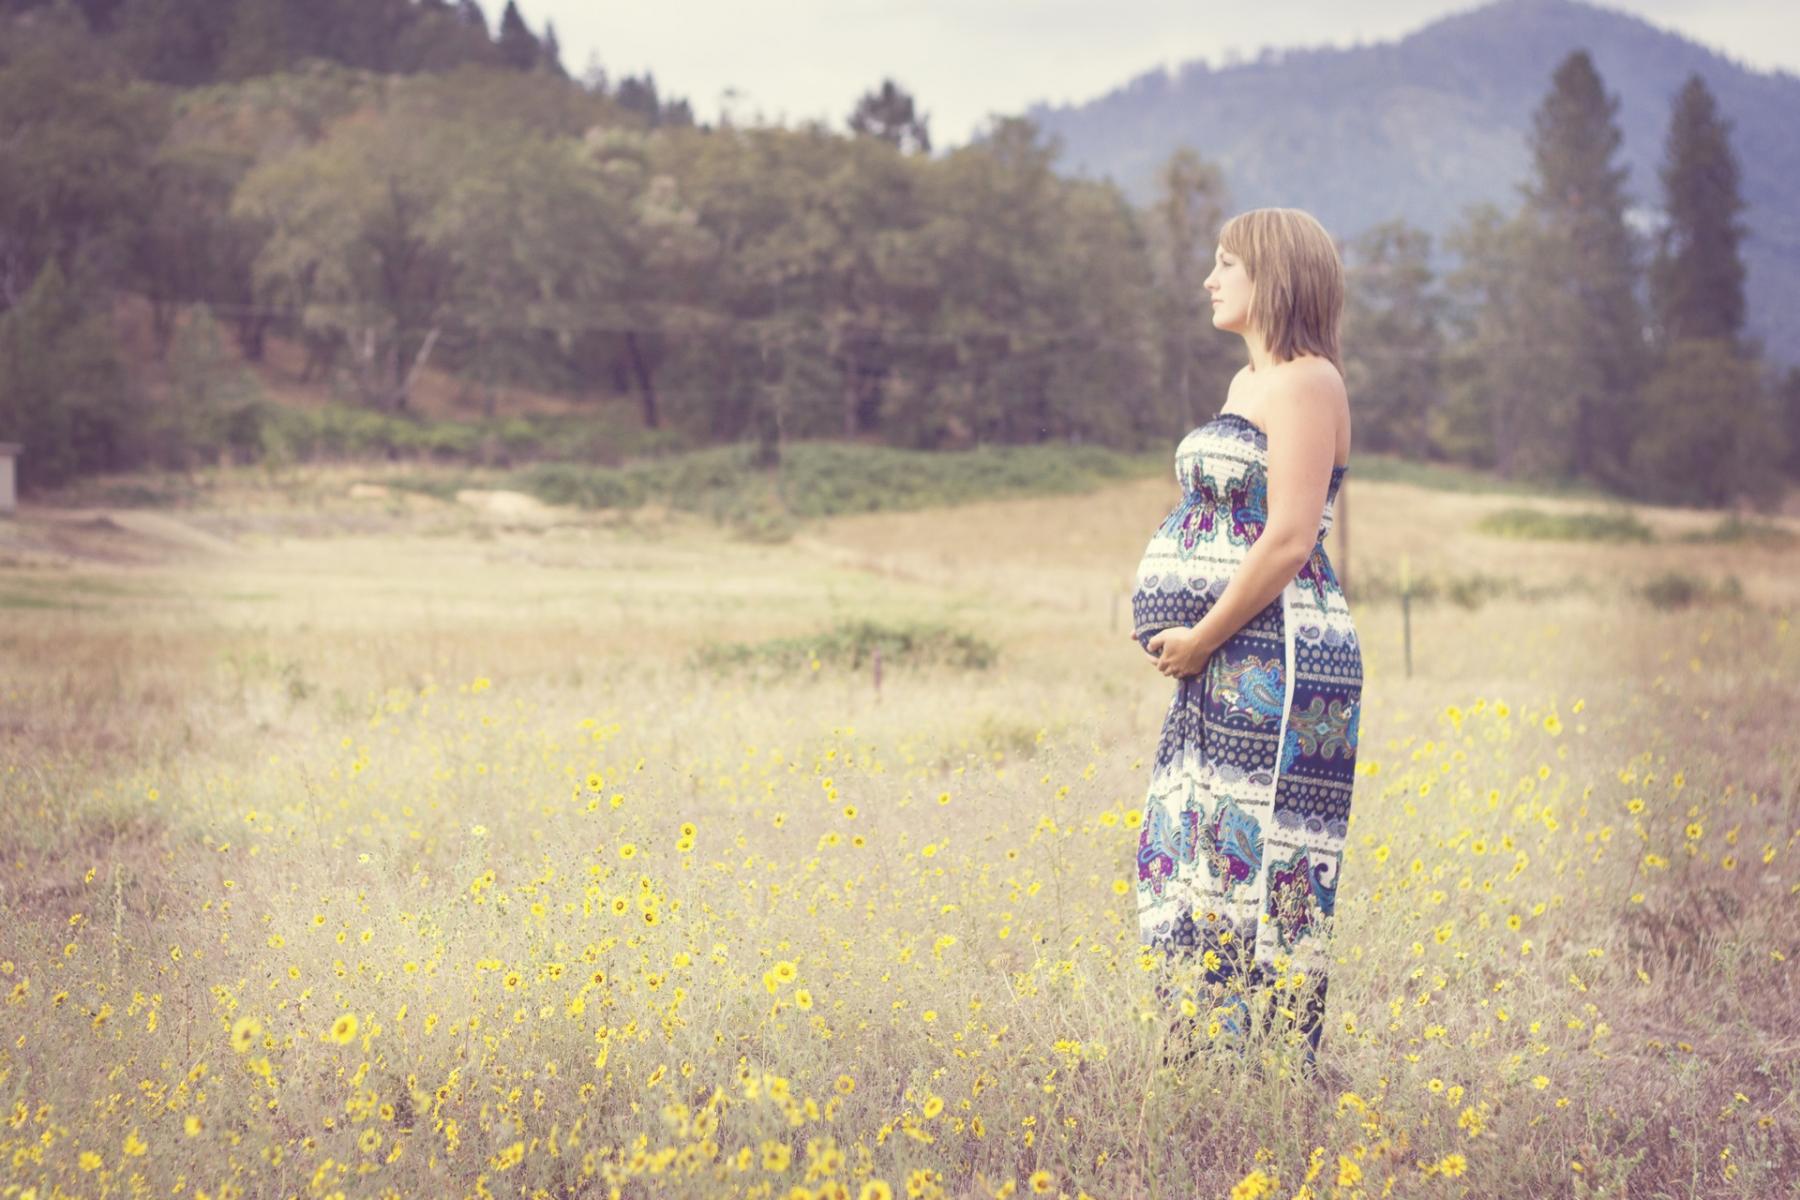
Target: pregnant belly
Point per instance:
(1174, 589)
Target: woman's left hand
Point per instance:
(1180, 652)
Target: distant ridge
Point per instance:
(1421, 127)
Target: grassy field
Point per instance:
(362, 842)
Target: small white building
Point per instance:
(8, 499)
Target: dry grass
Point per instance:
(236, 739)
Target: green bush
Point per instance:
(1737, 530)
(852, 645)
(1680, 589)
(819, 479)
(1533, 523)
(579, 486)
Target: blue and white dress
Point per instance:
(1249, 799)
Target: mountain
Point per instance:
(1422, 127)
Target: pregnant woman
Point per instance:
(1249, 798)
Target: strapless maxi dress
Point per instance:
(1249, 796)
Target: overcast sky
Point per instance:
(964, 60)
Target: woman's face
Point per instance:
(1229, 284)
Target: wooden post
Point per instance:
(8, 499)
(1406, 613)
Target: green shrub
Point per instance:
(442, 486)
(819, 479)
(1735, 529)
(1536, 524)
(1681, 589)
(851, 645)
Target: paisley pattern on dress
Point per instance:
(1248, 805)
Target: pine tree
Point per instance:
(472, 15)
(551, 52)
(518, 47)
(1697, 277)
(1585, 251)
(639, 96)
(889, 114)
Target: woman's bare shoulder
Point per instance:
(1304, 381)
(1310, 370)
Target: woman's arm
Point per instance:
(1302, 444)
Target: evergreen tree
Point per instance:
(551, 52)
(888, 114)
(1585, 253)
(473, 16)
(1697, 277)
(639, 96)
(519, 49)
(441, 40)
(62, 388)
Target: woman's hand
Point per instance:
(1180, 651)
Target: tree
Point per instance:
(182, 251)
(1697, 276)
(639, 96)
(349, 245)
(551, 52)
(215, 404)
(1392, 341)
(1787, 407)
(1711, 434)
(72, 168)
(1504, 369)
(62, 387)
(175, 41)
(519, 49)
(259, 41)
(1584, 250)
(442, 41)
(888, 114)
(1183, 226)
(537, 235)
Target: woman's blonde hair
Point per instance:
(1297, 280)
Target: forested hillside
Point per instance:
(1423, 126)
(211, 210)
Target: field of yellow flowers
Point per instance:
(378, 849)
